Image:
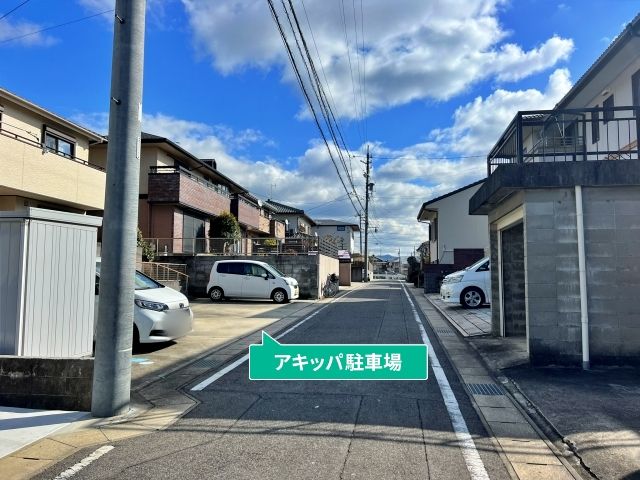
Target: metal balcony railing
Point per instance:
(25, 136)
(242, 246)
(568, 135)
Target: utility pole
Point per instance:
(112, 368)
(360, 227)
(366, 217)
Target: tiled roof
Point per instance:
(278, 207)
(327, 222)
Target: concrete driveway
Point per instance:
(215, 325)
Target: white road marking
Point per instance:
(71, 471)
(467, 446)
(205, 383)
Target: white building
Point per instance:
(453, 233)
(343, 234)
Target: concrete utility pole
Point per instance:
(112, 368)
(366, 217)
(360, 228)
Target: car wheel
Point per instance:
(472, 298)
(279, 296)
(216, 294)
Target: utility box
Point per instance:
(47, 283)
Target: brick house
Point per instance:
(180, 194)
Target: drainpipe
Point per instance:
(584, 313)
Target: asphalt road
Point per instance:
(315, 430)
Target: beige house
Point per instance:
(45, 160)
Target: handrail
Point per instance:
(36, 143)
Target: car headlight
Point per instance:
(292, 283)
(452, 279)
(158, 307)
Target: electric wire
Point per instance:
(70, 22)
(298, 75)
(14, 9)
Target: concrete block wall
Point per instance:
(513, 280)
(612, 237)
(304, 268)
(552, 277)
(612, 249)
(46, 383)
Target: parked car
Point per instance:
(250, 279)
(470, 287)
(160, 313)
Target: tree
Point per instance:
(225, 226)
(148, 253)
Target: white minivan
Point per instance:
(470, 287)
(250, 279)
(160, 313)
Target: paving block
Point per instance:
(502, 414)
(520, 450)
(45, 449)
(15, 468)
(528, 471)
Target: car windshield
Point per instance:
(274, 270)
(477, 264)
(142, 282)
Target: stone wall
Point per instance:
(304, 268)
(46, 383)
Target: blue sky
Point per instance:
(443, 79)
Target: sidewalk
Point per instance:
(527, 452)
(594, 413)
(469, 323)
(156, 400)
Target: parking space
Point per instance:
(469, 322)
(215, 325)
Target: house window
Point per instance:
(595, 126)
(59, 143)
(608, 114)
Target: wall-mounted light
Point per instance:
(605, 92)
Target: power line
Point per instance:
(412, 157)
(283, 36)
(77, 20)
(14, 9)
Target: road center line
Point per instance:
(205, 383)
(71, 471)
(467, 446)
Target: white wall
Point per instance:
(345, 239)
(456, 228)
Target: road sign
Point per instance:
(272, 360)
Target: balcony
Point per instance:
(29, 169)
(247, 213)
(264, 224)
(568, 135)
(179, 186)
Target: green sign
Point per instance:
(275, 361)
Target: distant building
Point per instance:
(342, 233)
(456, 238)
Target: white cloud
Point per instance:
(22, 32)
(404, 178)
(478, 124)
(424, 50)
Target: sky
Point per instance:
(427, 85)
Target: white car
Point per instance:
(160, 313)
(250, 279)
(470, 287)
